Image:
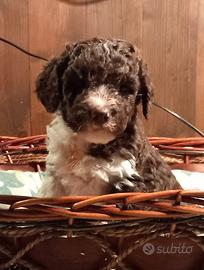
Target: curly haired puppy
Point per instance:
(96, 142)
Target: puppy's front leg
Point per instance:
(125, 177)
(133, 183)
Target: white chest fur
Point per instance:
(72, 172)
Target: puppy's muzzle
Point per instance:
(100, 117)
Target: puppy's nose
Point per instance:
(100, 117)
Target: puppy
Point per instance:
(96, 142)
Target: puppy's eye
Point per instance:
(125, 90)
(80, 111)
(81, 114)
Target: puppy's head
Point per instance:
(96, 85)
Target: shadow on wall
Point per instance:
(81, 2)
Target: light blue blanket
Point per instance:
(28, 183)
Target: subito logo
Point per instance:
(148, 249)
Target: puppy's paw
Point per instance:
(129, 184)
(122, 206)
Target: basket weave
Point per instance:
(174, 212)
(32, 150)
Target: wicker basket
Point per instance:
(32, 225)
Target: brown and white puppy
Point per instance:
(96, 142)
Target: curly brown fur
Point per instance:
(95, 87)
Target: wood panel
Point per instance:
(199, 92)
(44, 40)
(66, 22)
(169, 45)
(168, 32)
(14, 70)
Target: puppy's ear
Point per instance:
(49, 82)
(145, 93)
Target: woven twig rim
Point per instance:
(27, 150)
(163, 204)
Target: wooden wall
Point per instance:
(170, 34)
